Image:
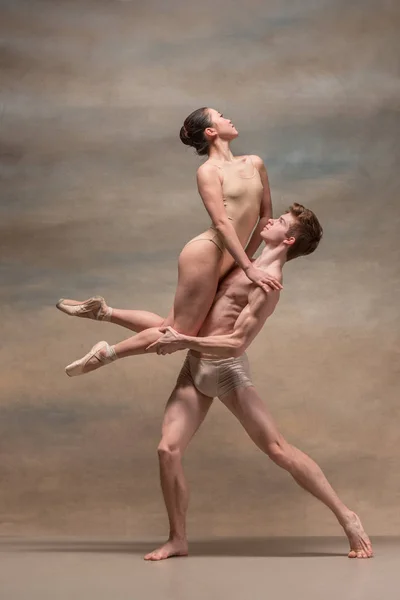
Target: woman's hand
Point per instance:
(262, 279)
(170, 342)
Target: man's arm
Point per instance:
(250, 321)
(265, 208)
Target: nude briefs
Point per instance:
(215, 377)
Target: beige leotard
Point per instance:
(242, 192)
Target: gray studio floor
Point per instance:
(283, 568)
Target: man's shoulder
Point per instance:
(274, 270)
(259, 300)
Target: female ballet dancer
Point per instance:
(235, 191)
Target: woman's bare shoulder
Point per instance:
(207, 169)
(256, 160)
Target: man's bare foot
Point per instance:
(360, 545)
(169, 549)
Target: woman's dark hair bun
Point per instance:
(192, 131)
(183, 134)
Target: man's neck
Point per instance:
(271, 256)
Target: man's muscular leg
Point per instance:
(248, 407)
(184, 413)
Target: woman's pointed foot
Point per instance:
(101, 354)
(93, 308)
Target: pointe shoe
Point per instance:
(78, 367)
(93, 308)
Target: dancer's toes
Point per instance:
(93, 308)
(168, 550)
(360, 544)
(101, 354)
(360, 554)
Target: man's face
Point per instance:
(222, 125)
(275, 231)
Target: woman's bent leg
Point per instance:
(102, 353)
(198, 274)
(137, 344)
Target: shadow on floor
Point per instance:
(251, 547)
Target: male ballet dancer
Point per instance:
(216, 366)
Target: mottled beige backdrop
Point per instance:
(98, 196)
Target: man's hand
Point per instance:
(263, 280)
(170, 342)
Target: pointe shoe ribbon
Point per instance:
(79, 367)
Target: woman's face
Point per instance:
(222, 125)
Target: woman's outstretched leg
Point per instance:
(136, 320)
(97, 309)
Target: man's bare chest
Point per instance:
(236, 292)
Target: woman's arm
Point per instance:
(265, 208)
